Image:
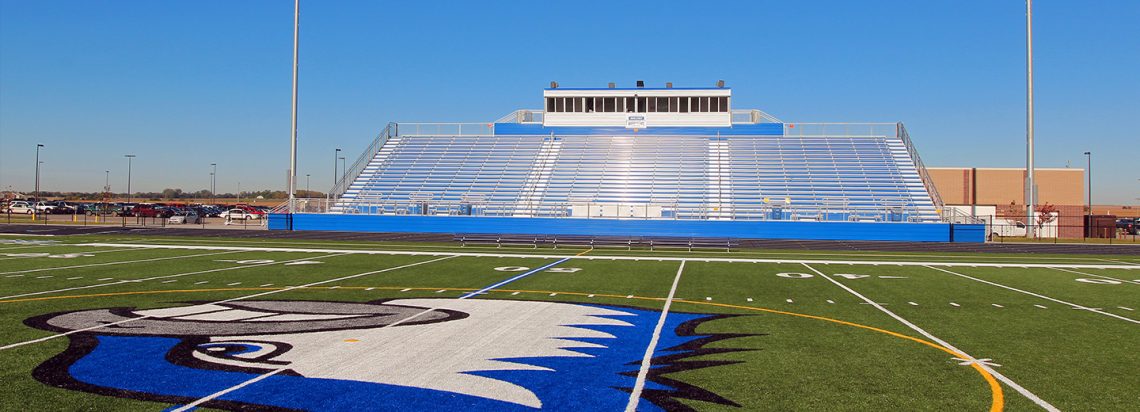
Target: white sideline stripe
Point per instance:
(121, 262)
(1040, 402)
(639, 385)
(215, 395)
(18, 344)
(1095, 275)
(156, 278)
(180, 241)
(671, 259)
(1074, 306)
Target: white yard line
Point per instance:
(643, 373)
(215, 395)
(18, 344)
(1095, 275)
(1037, 400)
(121, 262)
(512, 279)
(633, 258)
(161, 277)
(1073, 305)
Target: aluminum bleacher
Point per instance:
(816, 172)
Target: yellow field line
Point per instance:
(997, 399)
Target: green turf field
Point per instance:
(334, 325)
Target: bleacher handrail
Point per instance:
(922, 172)
(361, 162)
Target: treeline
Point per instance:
(173, 194)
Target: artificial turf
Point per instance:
(798, 341)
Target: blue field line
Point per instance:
(513, 279)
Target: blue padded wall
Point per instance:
(914, 232)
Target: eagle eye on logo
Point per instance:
(407, 354)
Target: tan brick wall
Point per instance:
(952, 185)
(1001, 186)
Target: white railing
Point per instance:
(361, 162)
(922, 172)
(445, 129)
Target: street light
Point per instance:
(36, 209)
(130, 158)
(213, 180)
(335, 158)
(1088, 172)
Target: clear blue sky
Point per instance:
(185, 84)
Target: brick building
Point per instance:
(1004, 189)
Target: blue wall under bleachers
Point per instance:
(912, 232)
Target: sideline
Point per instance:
(621, 257)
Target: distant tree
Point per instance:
(1046, 213)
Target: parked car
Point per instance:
(20, 206)
(148, 210)
(239, 214)
(185, 217)
(44, 207)
(1007, 227)
(1127, 225)
(60, 208)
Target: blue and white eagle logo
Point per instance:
(404, 354)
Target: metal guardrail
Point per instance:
(446, 129)
(636, 211)
(361, 162)
(922, 172)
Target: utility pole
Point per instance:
(1031, 189)
(1088, 172)
(35, 207)
(213, 181)
(130, 158)
(336, 166)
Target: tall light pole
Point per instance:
(1088, 172)
(336, 167)
(293, 137)
(1031, 191)
(213, 180)
(38, 147)
(130, 159)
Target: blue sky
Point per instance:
(185, 84)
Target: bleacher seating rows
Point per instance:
(702, 177)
